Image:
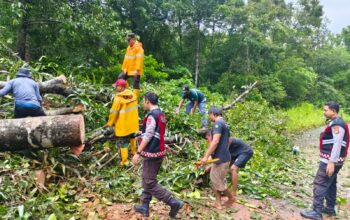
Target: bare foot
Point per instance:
(217, 206)
(230, 202)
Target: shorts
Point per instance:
(242, 159)
(218, 176)
(123, 142)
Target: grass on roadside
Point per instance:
(306, 116)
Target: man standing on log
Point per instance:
(152, 149)
(218, 148)
(26, 94)
(124, 117)
(133, 62)
(334, 143)
(196, 99)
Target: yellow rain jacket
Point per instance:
(124, 114)
(133, 59)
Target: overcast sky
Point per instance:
(337, 12)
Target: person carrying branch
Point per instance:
(334, 144)
(133, 62)
(240, 153)
(152, 150)
(218, 148)
(124, 117)
(28, 101)
(196, 99)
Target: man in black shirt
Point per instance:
(218, 148)
(240, 154)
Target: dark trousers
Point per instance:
(136, 79)
(150, 184)
(22, 112)
(325, 187)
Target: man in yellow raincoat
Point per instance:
(133, 62)
(124, 117)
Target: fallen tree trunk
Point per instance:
(41, 132)
(56, 85)
(65, 111)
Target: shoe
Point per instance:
(175, 206)
(329, 211)
(311, 214)
(124, 156)
(143, 209)
(133, 146)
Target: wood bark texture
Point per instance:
(65, 111)
(41, 132)
(56, 85)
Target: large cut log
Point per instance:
(56, 85)
(41, 132)
(65, 111)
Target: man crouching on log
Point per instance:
(152, 149)
(26, 94)
(218, 148)
(124, 117)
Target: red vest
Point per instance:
(156, 147)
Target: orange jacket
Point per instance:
(133, 59)
(124, 114)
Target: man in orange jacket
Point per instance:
(124, 117)
(133, 62)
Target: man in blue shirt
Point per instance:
(26, 94)
(218, 149)
(196, 99)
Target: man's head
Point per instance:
(214, 112)
(185, 90)
(150, 99)
(24, 72)
(120, 85)
(131, 38)
(331, 109)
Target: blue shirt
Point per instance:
(222, 152)
(24, 90)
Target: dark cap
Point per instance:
(215, 110)
(131, 36)
(24, 72)
(185, 88)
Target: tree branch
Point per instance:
(241, 96)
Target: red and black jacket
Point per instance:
(327, 140)
(156, 147)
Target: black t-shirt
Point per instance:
(221, 151)
(238, 147)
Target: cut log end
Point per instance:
(63, 78)
(79, 108)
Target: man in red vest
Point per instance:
(334, 144)
(152, 149)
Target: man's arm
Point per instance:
(149, 133)
(7, 89)
(213, 145)
(338, 136)
(180, 105)
(113, 113)
(139, 60)
(37, 93)
(194, 107)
